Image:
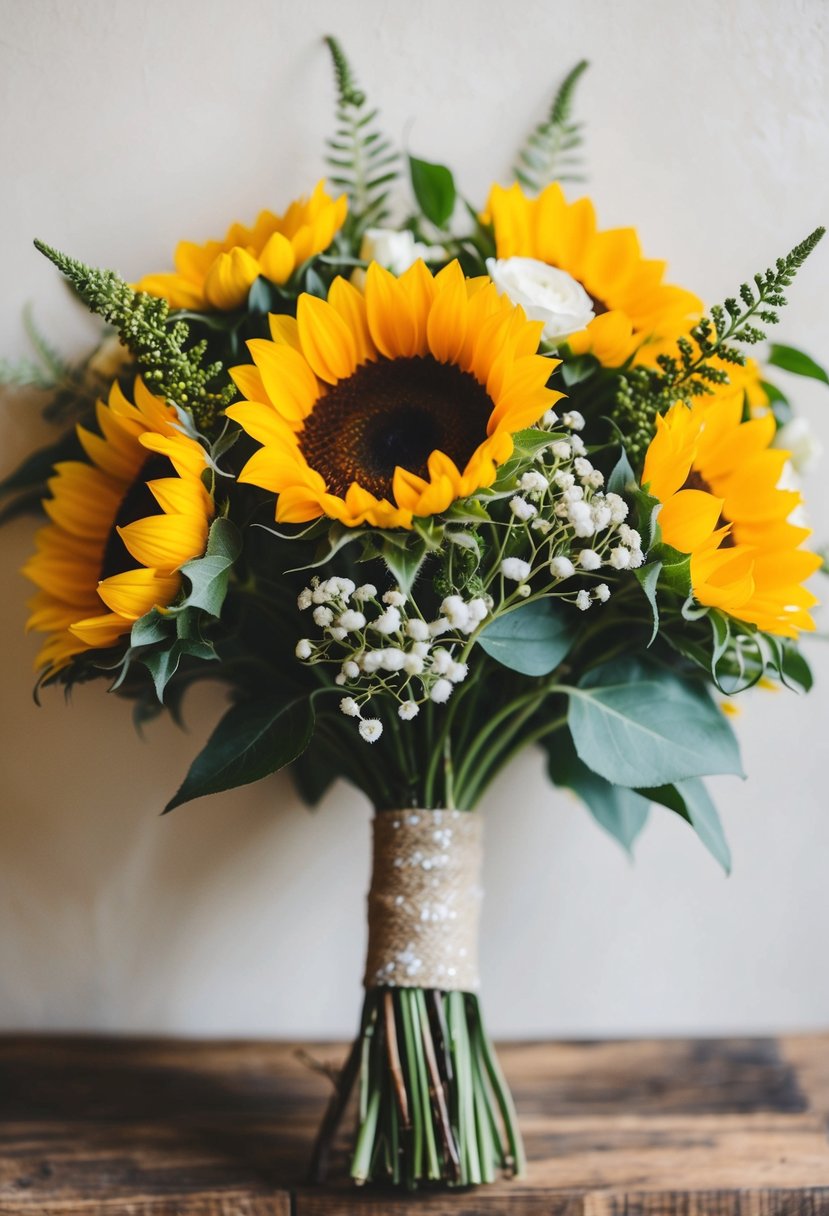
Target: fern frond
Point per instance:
(645, 392)
(549, 152)
(363, 162)
(170, 367)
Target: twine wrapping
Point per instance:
(425, 900)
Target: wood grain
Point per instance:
(728, 1127)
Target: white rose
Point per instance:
(798, 438)
(397, 250)
(545, 293)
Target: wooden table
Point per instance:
(180, 1128)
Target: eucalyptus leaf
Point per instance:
(620, 812)
(640, 725)
(691, 800)
(254, 739)
(434, 189)
(531, 639)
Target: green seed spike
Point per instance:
(158, 343)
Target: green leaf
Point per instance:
(152, 627)
(676, 568)
(531, 639)
(254, 739)
(622, 479)
(691, 800)
(579, 368)
(209, 575)
(434, 189)
(640, 725)
(648, 578)
(404, 561)
(790, 359)
(621, 812)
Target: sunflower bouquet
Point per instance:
(423, 494)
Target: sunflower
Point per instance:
(719, 482)
(219, 274)
(121, 526)
(630, 301)
(375, 408)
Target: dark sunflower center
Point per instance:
(137, 503)
(394, 412)
(696, 481)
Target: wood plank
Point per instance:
(730, 1127)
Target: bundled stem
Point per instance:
(434, 1107)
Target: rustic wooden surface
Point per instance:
(645, 1128)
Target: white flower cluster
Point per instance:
(382, 643)
(572, 525)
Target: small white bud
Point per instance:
(563, 479)
(630, 537)
(408, 710)
(441, 661)
(366, 592)
(577, 444)
(417, 630)
(457, 672)
(323, 616)
(533, 482)
(582, 466)
(522, 509)
(618, 508)
(388, 621)
(583, 600)
(541, 525)
(595, 480)
(636, 558)
(436, 628)
(549, 418)
(337, 633)
(478, 609)
(339, 678)
(303, 649)
(561, 449)
(420, 650)
(601, 593)
(349, 707)
(589, 559)
(441, 691)
(351, 619)
(455, 611)
(413, 664)
(393, 659)
(304, 599)
(371, 729)
(350, 670)
(395, 598)
(562, 567)
(524, 590)
(515, 568)
(620, 558)
(573, 420)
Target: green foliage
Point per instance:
(549, 152)
(691, 801)
(531, 639)
(621, 812)
(159, 345)
(645, 392)
(362, 161)
(641, 725)
(790, 359)
(254, 739)
(434, 189)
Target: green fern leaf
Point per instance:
(546, 155)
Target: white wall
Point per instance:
(128, 124)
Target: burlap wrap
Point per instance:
(425, 900)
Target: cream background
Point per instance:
(127, 124)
